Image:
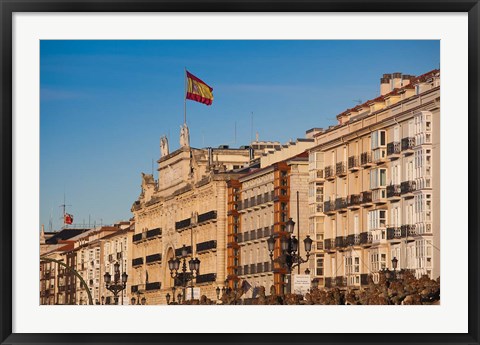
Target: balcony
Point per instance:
(137, 262)
(178, 251)
(329, 245)
(206, 278)
(353, 201)
(137, 237)
(329, 173)
(366, 159)
(267, 231)
(366, 199)
(341, 169)
(208, 245)
(353, 240)
(329, 207)
(341, 204)
(363, 238)
(153, 286)
(379, 196)
(150, 259)
(246, 269)
(185, 223)
(408, 145)
(353, 163)
(407, 187)
(394, 234)
(393, 192)
(154, 233)
(393, 150)
(409, 230)
(340, 242)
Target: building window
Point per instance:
(378, 139)
(378, 178)
(377, 219)
(319, 264)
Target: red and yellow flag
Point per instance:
(198, 91)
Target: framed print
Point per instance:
(243, 172)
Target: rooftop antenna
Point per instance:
(235, 137)
(251, 129)
(64, 207)
(50, 221)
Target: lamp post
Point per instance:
(119, 281)
(394, 266)
(184, 277)
(228, 290)
(138, 299)
(289, 257)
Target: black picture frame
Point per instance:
(9, 7)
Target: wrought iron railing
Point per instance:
(393, 148)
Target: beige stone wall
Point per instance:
(192, 182)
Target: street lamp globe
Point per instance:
(271, 244)
(176, 264)
(184, 251)
(308, 243)
(394, 263)
(191, 264)
(290, 225)
(170, 264)
(117, 267)
(132, 301)
(144, 300)
(196, 264)
(168, 298)
(124, 277)
(294, 242)
(107, 277)
(284, 244)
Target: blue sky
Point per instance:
(105, 104)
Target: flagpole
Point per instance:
(185, 100)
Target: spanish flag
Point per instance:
(198, 91)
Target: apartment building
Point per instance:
(116, 248)
(259, 204)
(374, 185)
(91, 261)
(52, 275)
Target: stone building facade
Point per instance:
(187, 205)
(259, 204)
(375, 185)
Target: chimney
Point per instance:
(397, 80)
(385, 86)
(406, 79)
(210, 156)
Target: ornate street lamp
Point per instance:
(184, 277)
(394, 265)
(289, 257)
(119, 281)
